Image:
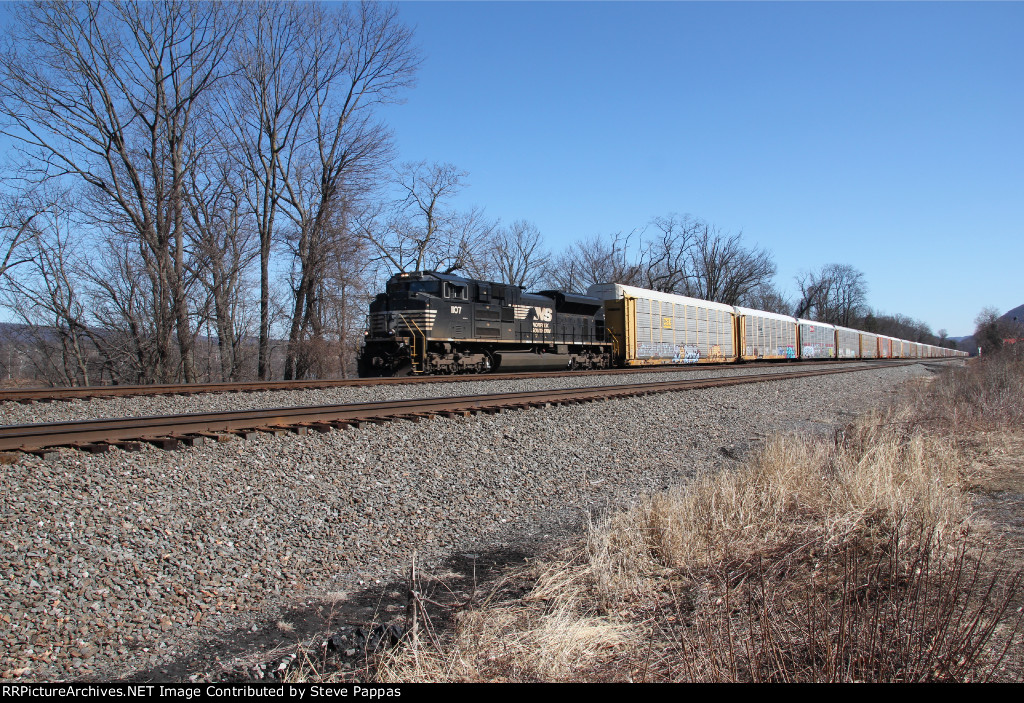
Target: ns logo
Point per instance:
(542, 314)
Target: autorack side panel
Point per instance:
(817, 340)
(847, 343)
(884, 347)
(766, 335)
(661, 328)
(868, 345)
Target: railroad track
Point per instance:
(172, 431)
(47, 395)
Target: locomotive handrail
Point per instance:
(411, 324)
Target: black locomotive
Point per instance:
(436, 323)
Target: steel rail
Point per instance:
(28, 395)
(168, 430)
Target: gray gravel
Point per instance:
(140, 406)
(120, 562)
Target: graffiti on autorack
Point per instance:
(657, 350)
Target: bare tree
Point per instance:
(120, 298)
(421, 230)
(988, 332)
(275, 75)
(16, 216)
(814, 290)
(723, 270)
(344, 306)
(226, 244)
(666, 257)
(106, 94)
(768, 298)
(687, 256)
(513, 254)
(364, 58)
(600, 259)
(850, 293)
(46, 293)
(836, 294)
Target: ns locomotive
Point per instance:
(435, 323)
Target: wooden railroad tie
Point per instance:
(163, 442)
(190, 440)
(216, 436)
(92, 447)
(275, 430)
(126, 446)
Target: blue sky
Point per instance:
(883, 135)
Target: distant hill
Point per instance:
(966, 344)
(1014, 317)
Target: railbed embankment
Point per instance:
(123, 562)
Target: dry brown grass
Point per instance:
(983, 395)
(848, 559)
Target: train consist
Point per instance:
(435, 323)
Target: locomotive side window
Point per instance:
(453, 291)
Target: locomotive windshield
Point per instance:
(429, 287)
(432, 287)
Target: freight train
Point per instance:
(436, 323)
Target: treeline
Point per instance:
(206, 192)
(194, 170)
